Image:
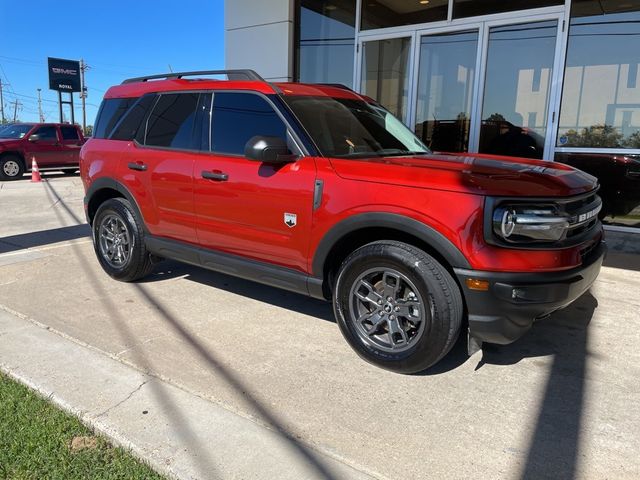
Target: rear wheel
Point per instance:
(397, 306)
(118, 239)
(11, 167)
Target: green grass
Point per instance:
(35, 439)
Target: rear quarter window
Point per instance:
(111, 111)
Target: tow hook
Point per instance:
(473, 344)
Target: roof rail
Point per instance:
(336, 85)
(231, 75)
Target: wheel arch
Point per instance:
(103, 189)
(365, 228)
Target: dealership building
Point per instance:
(550, 79)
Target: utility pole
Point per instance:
(40, 107)
(1, 103)
(83, 94)
(15, 109)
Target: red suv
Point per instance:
(321, 191)
(53, 145)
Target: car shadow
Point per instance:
(43, 237)
(168, 269)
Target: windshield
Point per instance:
(15, 131)
(348, 128)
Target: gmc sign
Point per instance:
(64, 75)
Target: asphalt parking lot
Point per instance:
(560, 403)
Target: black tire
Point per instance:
(11, 167)
(120, 222)
(402, 268)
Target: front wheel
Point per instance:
(118, 239)
(397, 306)
(11, 167)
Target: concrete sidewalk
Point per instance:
(178, 433)
(559, 403)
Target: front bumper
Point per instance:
(515, 300)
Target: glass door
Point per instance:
(518, 84)
(385, 74)
(446, 86)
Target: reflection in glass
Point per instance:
(326, 44)
(471, 8)
(517, 87)
(445, 90)
(393, 13)
(385, 75)
(601, 94)
(619, 177)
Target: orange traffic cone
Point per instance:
(35, 172)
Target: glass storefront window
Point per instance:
(601, 93)
(394, 13)
(326, 41)
(472, 8)
(385, 73)
(517, 88)
(445, 90)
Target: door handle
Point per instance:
(137, 166)
(221, 177)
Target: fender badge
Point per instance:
(290, 219)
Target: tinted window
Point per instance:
(171, 122)
(326, 41)
(237, 117)
(47, 133)
(69, 132)
(132, 120)
(110, 114)
(385, 13)
(471, 8)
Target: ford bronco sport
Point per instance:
(321, 191)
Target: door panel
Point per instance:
(518, 84)
(71, 144)
(48, 151)
(245, 214)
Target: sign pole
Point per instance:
(60, 104)
(73, 117)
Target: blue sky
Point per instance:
(117, 39)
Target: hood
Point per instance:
(9, 142)
(471, 173)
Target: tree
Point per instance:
(595, 136)
(88, 131)
(633, 141)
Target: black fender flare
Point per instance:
(111, 184)
(442, 245)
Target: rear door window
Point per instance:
(237, 117)
(69, 133)
(171, 122)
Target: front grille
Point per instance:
(583, 214)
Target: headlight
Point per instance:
(530, 223)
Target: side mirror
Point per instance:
(34, 138)
(272, 150)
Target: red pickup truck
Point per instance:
(53, 145)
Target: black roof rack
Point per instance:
(231, 75)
